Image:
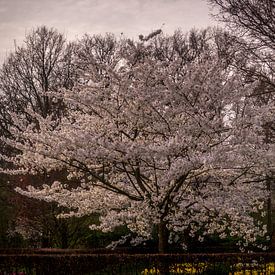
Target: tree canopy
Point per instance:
(163, 135)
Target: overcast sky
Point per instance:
(76, 17)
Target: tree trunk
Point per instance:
(269, 208)
(162, 237)
(163, 247)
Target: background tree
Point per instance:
(154, 143)
(44, 63)
(97, 50)
(255, 21)
(254, 18)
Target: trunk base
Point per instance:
(162, 238)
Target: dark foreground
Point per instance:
(57, 261)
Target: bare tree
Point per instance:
(254, 21)
(42, 64)
(255, 18)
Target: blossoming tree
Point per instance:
(154, 143)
